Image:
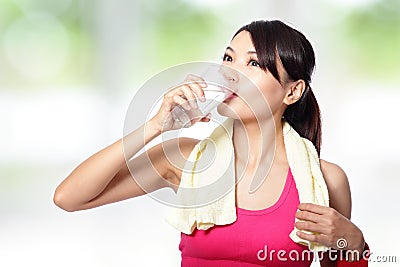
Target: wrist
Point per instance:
(357, 248)
(361, 247)
(356, 254)
(153, 127)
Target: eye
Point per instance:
(227, 57)
(254, 63)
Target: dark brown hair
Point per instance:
(275, 41)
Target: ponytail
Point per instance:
(305, 117)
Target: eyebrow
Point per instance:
(248, 52)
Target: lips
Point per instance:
(233, 95)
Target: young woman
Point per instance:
(280, 61)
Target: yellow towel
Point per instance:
(206, 194)
(304, 165)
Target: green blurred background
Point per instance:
(69, 69)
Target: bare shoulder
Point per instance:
(333, 174)
(338, 187)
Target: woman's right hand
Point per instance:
(184, 96)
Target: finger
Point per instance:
(313, 208)
(197, 87)
(181, 101)
(187, 91)
(321, 239)
(198, 84)
(197, 79)
(317, 238)
(312, 227)
(309, 216)
(199, 91)
(173, 91)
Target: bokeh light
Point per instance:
(69, 69)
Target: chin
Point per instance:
(238, 112)
(227, 110)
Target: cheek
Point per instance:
(272, 92)
(260, 97)
(249, 104)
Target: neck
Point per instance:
(259, 142)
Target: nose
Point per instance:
(230, 75)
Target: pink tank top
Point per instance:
(256, 238)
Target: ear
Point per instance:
(294, 91)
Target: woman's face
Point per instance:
(252, 101)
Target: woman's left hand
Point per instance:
(333, 229)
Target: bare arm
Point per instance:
(103, 178)
(339, 194)
(106, 177)
(338, 187)
(333, 223)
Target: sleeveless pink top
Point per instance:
(256, 238)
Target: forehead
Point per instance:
(242, 42)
